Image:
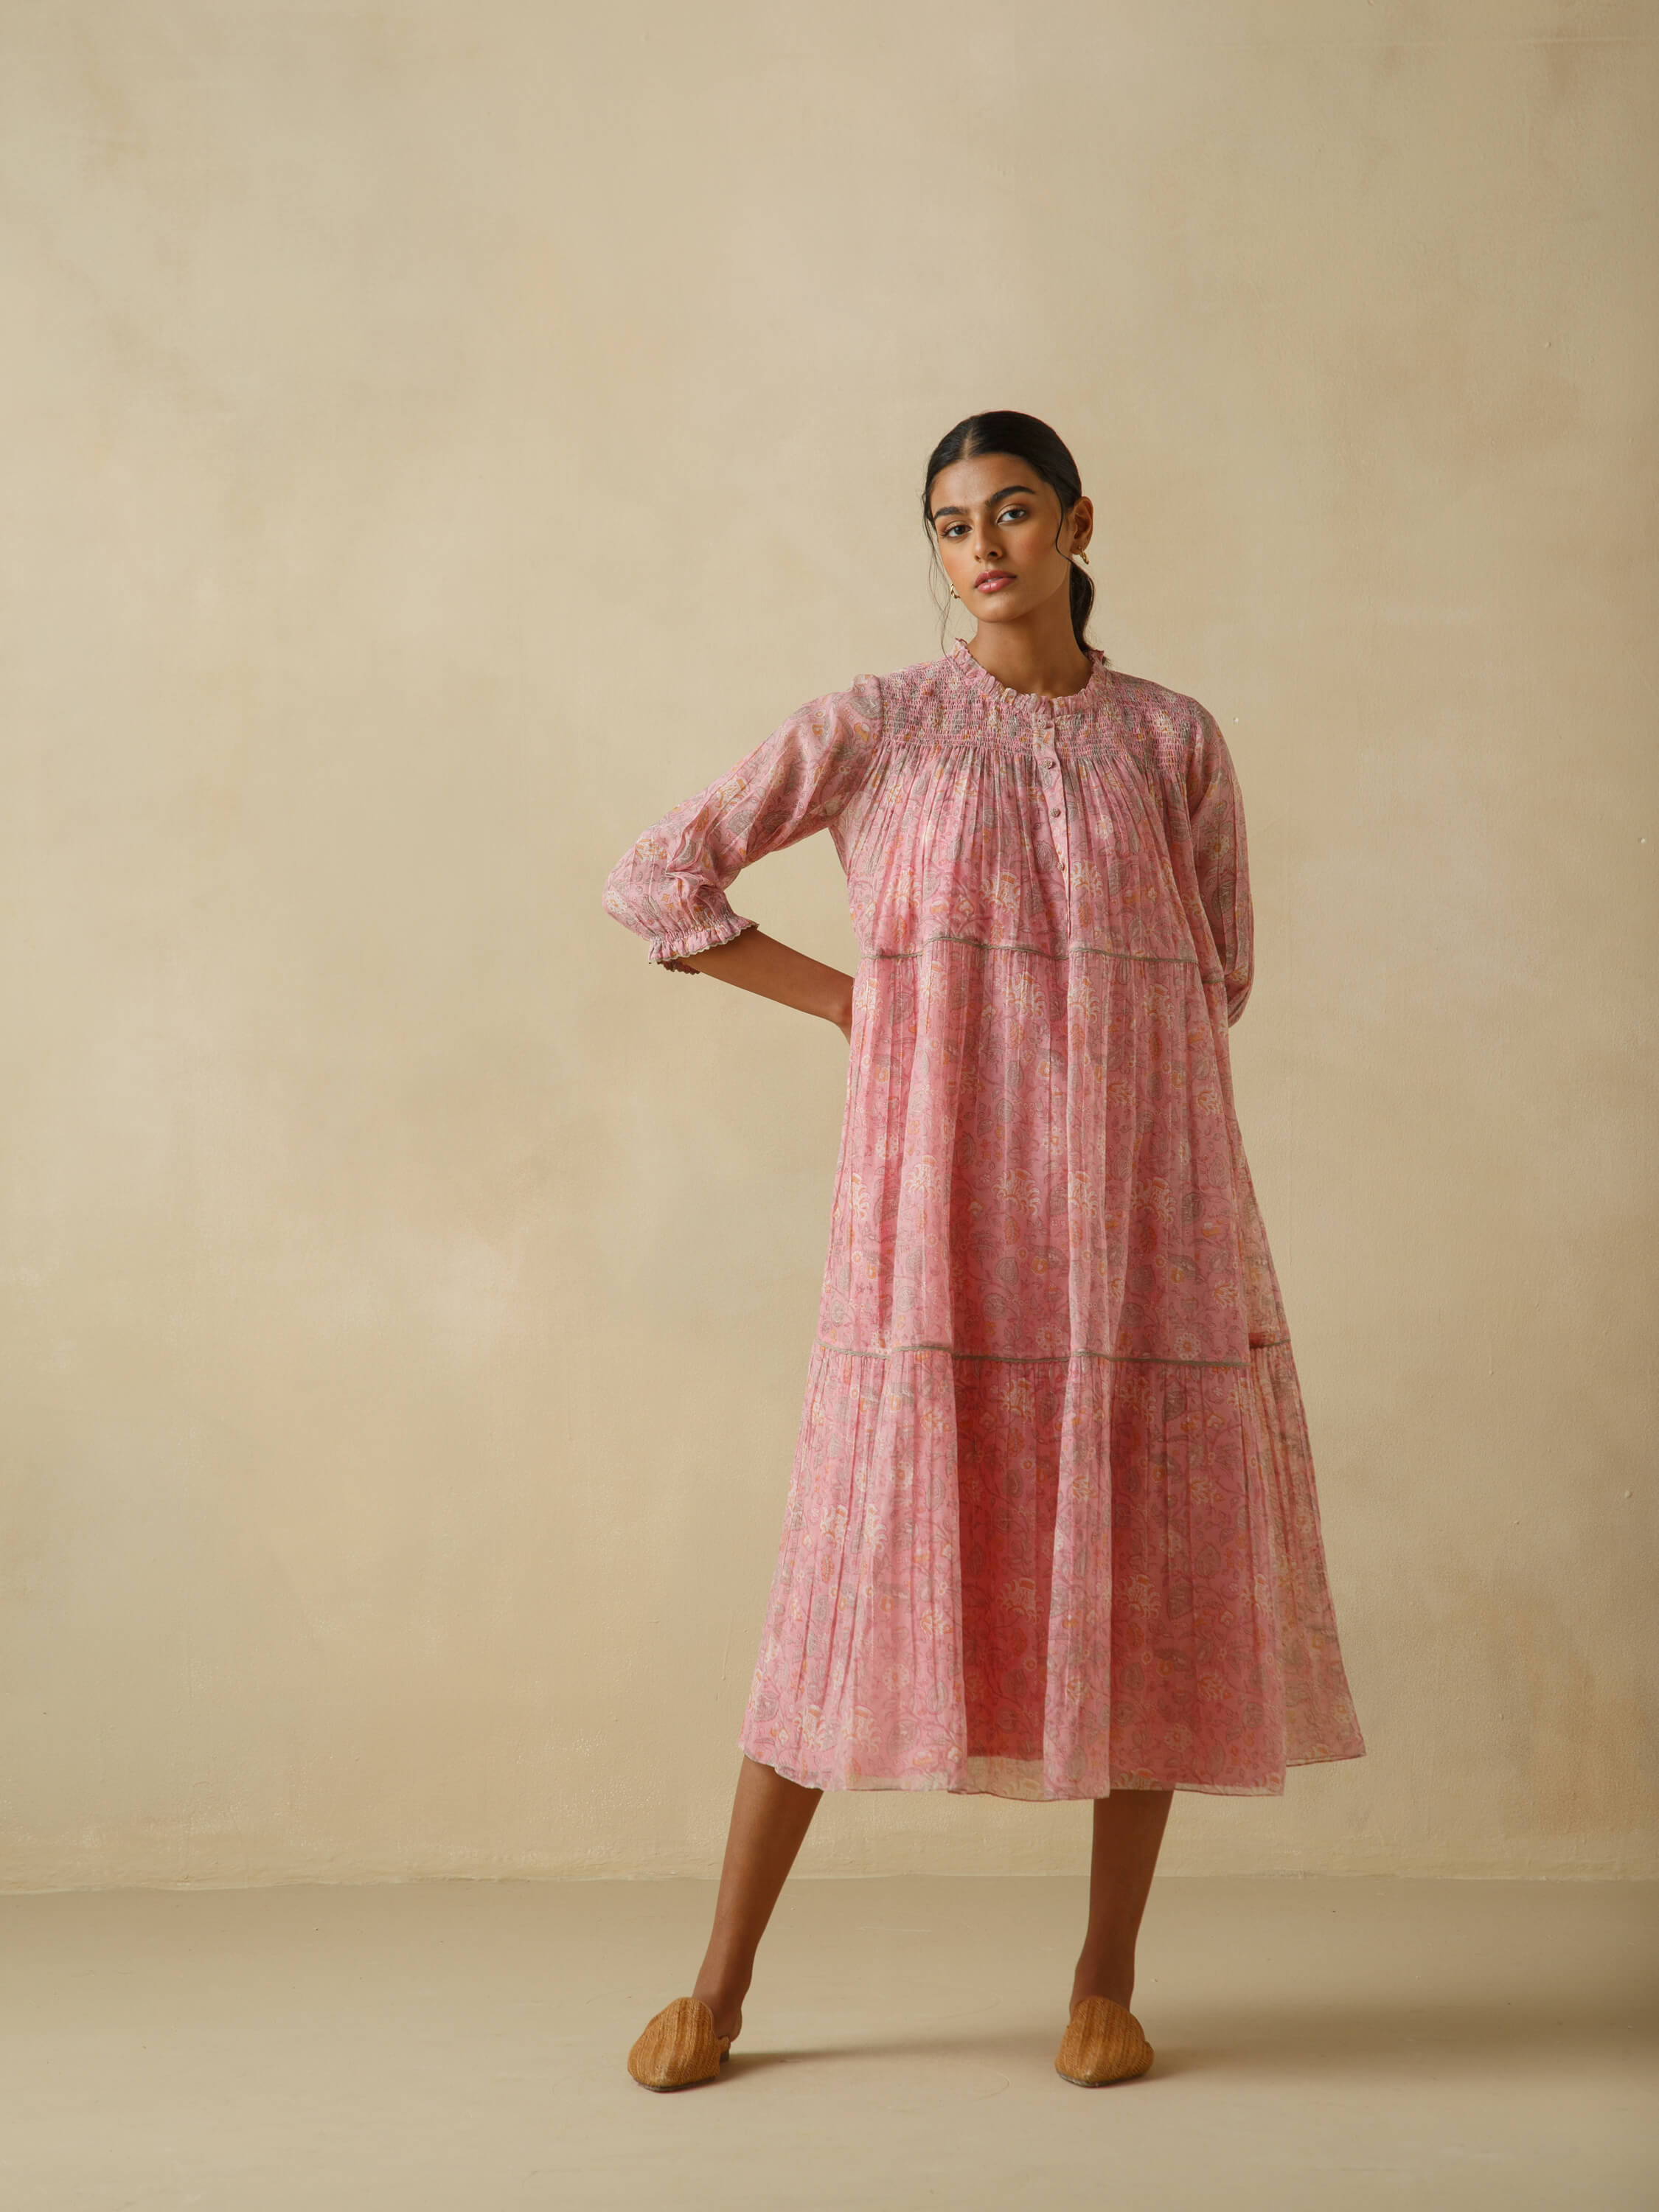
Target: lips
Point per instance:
(993, 579)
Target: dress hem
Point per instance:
(939, 1784)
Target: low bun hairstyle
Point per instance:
(1003, 431)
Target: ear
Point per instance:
(1083, 523)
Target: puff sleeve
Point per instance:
(670, 886)
(1216, 810)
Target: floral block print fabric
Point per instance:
(1052, 1527)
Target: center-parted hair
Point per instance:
(1004, 431)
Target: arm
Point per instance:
(670, 886)
(755, 961)
(1216, 808)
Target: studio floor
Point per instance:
(1331, 2045)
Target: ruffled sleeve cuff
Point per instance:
(668, 951)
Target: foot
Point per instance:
(1104, 2042)
(676, 2048)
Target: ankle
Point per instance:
(1104, 1974)
(723, 1990)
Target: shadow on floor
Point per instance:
(1310, 2039)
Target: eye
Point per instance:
(1013, 515)
(952, 528)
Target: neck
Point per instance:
(1039, 652)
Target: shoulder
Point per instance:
(852, 714)
(916, 675)
(1179, 732)
(875, 704)
(902, 693)
(1162, 711)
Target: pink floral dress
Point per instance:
(1052, 1527)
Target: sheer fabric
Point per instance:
(1052, 1527)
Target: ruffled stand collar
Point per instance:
(980, 680)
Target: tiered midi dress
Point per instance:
(1051, 1529)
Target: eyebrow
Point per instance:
(992, 502)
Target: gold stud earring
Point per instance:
(1083, 556)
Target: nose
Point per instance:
(988, 545)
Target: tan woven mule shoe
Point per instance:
(678, 2046)
(1103, 2044)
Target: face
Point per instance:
(996, 522)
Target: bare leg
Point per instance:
(1128, 1830)
(769, 1820)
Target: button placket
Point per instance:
(1053, 783)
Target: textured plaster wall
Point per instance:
(441, 436)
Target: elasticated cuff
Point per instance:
(668, 951)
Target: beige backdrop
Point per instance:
(441, 437)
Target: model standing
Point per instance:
(1052, 1529)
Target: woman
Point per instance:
(1052, 1529)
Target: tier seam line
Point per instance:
(1025, 1359)
(1043, 952)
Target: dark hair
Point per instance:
(1003, 431)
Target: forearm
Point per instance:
(755, 961)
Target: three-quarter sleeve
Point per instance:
(670, 886)
(1216, 809)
